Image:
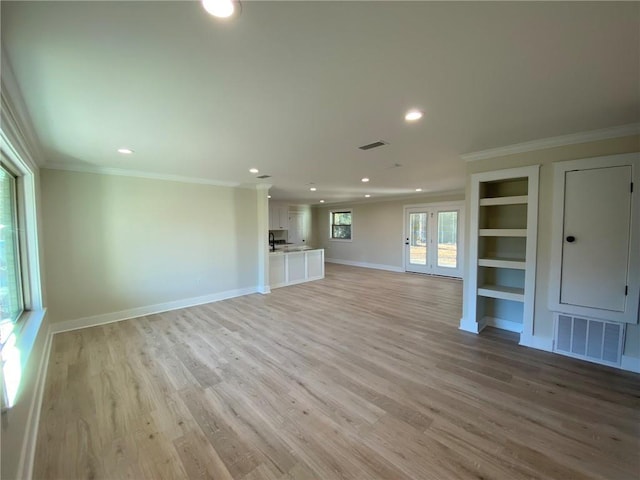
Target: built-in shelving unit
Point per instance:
(501, 280)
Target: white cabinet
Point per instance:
(595, 255)
(290, 268)
(278, 217)
(595, 248)
(500, 288)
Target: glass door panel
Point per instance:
(416, 242)
(418, 238)
(447, 239)
(432, 240)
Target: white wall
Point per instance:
(377, 230)
(115, 243)
(18, 423)
(543, 317)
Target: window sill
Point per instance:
(28, 327)
(341, 240)
(16, 353)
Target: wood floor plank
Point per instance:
(200, 459)
(361, 375)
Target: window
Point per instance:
(341, 224)
(21, 308)
(11, 302)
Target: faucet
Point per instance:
(272, 241)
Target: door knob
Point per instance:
(571, 239)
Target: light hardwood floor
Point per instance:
(362, 375)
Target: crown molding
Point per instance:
(139, 174)
(551, 142)
(15, 119)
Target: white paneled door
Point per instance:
(432, 243)
(596, 235)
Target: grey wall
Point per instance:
(543, 317)
(377, 230)
(114, 243)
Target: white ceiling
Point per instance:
(293, 88)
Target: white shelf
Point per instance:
(515, 200)
(503, 293)
(503, 232)
(502, 263)
(500, 255)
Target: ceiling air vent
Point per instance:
(377, 144)
(263, 176)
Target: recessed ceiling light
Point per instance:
(418, 189)
(125, 151)
(365, 180)
(313, 189)
(413, 115)
(219, 8)
(321, 201)
(367, 196)
(268, 196)
(254, 170)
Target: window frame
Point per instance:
(331, 224)
(18, 239)
(16, 349)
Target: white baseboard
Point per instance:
(502, 324)
(105, 318)
(471, 325)
(264, 290)
(539, 343)
(28, 453)
(377, 266)
(631, 364)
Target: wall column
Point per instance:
(263, 237)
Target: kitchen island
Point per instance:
(292, 264)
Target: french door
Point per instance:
(432, 240)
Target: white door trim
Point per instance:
(459, 206)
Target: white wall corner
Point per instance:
(632, 364)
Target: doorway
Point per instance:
(432, 240)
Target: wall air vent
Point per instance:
(593, 340)
(377, 144)
(263, 176)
